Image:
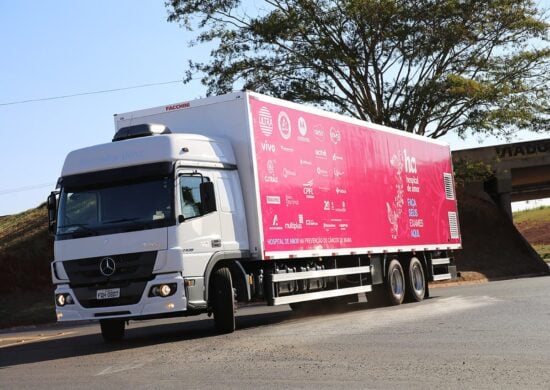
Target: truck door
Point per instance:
(199, 230)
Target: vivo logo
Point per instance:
(267, 147)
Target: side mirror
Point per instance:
(52, 211)
(208, 198)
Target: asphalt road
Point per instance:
(492, 335)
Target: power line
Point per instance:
(88, 93)
(26, 188)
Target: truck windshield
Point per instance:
(120, 207)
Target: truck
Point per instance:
(206, 205)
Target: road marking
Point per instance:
(18, 340)
(122, 367)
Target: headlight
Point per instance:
(60, 300)
(64, 299)
(163, 290)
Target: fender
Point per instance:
(238, 274)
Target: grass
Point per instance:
(543, 251)
(540, 214)
(534, 225)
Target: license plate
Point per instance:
(109, 293)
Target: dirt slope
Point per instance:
(491, 243)
(26, 250)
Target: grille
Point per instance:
(131, 274)
(453, 225)
(129, 267)
(449, 188)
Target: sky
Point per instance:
(66, 47)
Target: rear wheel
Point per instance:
(223, 301)
(112, 330)
(416, 281)
(395, 283)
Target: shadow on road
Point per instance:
(143, 336)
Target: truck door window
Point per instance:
(190, 195)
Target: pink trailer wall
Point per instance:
(328, 184)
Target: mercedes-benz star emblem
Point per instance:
(107, 266)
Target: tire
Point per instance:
(416, 281)
(112, 330)
(223, 301)
(395, 283)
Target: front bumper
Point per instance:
(146, 307)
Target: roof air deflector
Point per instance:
(143, 130)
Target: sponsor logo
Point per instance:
(177, 106)
(344, 226)
(311, 222)
(319, 134)
(265, 121)
(296, 225)
(308, 190)
(336, 157)
(293, 226)
(272, 199)
(271, 177)
(338, 172)
(290, 201)
(329, 226)
(284, 125)
(341, 209)
(335, 135)
(285, 149)
(288, 173)
(321, 154)
(322, 172)
(302, 129)
(305, 162)
(302, 126)
(410, 163)
(275, 223)
(267, 147)
(270, 167)
(340, 191)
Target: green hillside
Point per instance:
(534, 224)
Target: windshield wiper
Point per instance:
(121, 220)
(81, 226)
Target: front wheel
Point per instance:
(112, 330)
(223, 302)
(416, 281)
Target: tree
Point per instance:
(427, 66)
